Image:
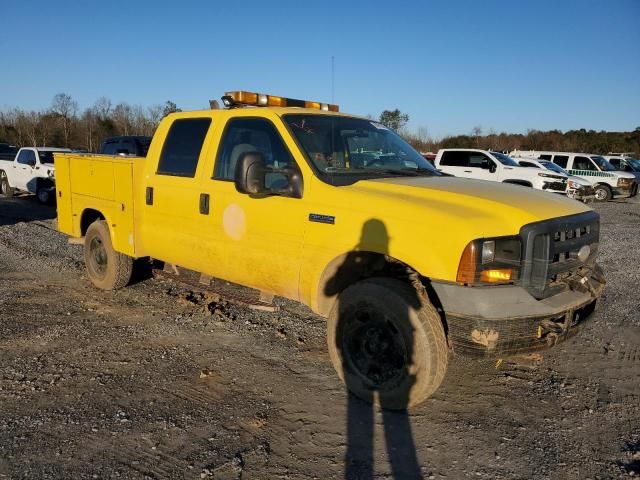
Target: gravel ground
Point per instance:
(161, 381)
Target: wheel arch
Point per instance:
(89, 215)
(351, 267)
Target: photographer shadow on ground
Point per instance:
(387, 343)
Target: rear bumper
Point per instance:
(507, 320)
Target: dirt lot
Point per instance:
(156, 381)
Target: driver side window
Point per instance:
(583, 163)
(245, 135)
(480, 160)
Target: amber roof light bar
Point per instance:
(240, 98)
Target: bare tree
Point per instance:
(65, 107)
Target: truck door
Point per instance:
(168, 200)
(261, 236)
(24, 177)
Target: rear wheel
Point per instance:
(602, 193)
(106, 268)
(5, 188)
(382, 337)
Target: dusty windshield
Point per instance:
(505, 159)
(553, 167)
(603, 164)
(354, 148)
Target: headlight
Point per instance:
(486, 261)
(625, 182)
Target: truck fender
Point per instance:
(90, 215)
(353, 266)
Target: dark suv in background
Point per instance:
(137, 145)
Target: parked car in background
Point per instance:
(7, 152)
(497, 167)
(577, 188)
(137, 145)
(624, 163)
(607, 182)
(32, 171)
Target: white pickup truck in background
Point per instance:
(497, 167)
(31, 171)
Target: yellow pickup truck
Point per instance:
(295, 199)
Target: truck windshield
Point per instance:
(553, 167)
(603, 164)
(634, 164)
(505, 159)
(344, 150)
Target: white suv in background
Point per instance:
(496, 167)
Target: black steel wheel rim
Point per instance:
(374, 348)
(98, 257)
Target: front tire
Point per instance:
(382, 337)
(44, 196)
(106, 268)
(602, 193)
(5, 188)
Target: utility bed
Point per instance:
(101, 183)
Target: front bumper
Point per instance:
(508, 320)
(627, 191)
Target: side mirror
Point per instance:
(492, 168)
(250, 173)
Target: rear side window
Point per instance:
(455, 159)
(560, 160)
(545, 156)
(182, 147)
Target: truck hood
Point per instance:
(489, 207)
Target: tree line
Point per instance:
(63, 124)
(582, 140)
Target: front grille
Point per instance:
(556, 186)
(550, 251)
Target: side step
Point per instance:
(231, 293)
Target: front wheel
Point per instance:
(382, 337)
(44, 195)
(602, 193)
(5, 188)
(106, 268)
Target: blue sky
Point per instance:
(503, 65)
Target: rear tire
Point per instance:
(382, 337)
(106, 268)
(602, 193)
(5, 188)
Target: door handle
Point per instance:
(149, 196)
(204, 203)
(468, 171)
